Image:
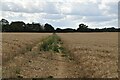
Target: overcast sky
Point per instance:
(62, 13)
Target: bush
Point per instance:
(52, 43)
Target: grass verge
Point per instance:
(52, 43)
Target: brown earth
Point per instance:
(88, 55)
(18, 43)
(96, 53)
(35, 63)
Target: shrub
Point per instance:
(52, 43)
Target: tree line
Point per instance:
(20, 26)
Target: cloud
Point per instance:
(99, 18)
(85, 9)
(112, 23)
(30, 7)
(109, 7)
(53, 16)
(62, 13)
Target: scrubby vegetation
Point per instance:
(52, 43)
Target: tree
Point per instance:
(4, 25)
(68, 30)
(112, 29)
(48, 28)
(4, 22)
(34, 27)
(82, 28)
(17, 26)
(58, 30)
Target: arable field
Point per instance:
(18, 43)
(87, 55)
(96, 53)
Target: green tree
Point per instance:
(48, 28)
(82, 27)
(17, 26)
(4, 25)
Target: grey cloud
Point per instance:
(113, 8)
(112, 23)
(53, 16)
(11, 16)
(13, 7)
(85, 9)
(99, 18)
(49, 7)
(9, 6)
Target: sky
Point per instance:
(62, 13)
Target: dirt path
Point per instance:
(61, 66)
(49, 65)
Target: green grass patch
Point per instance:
(52, 43)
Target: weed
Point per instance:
(29, 48)
(17, 70)
(52, 43)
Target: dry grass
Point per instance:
(18, 43)
(96, 53)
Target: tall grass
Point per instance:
(52, 43)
